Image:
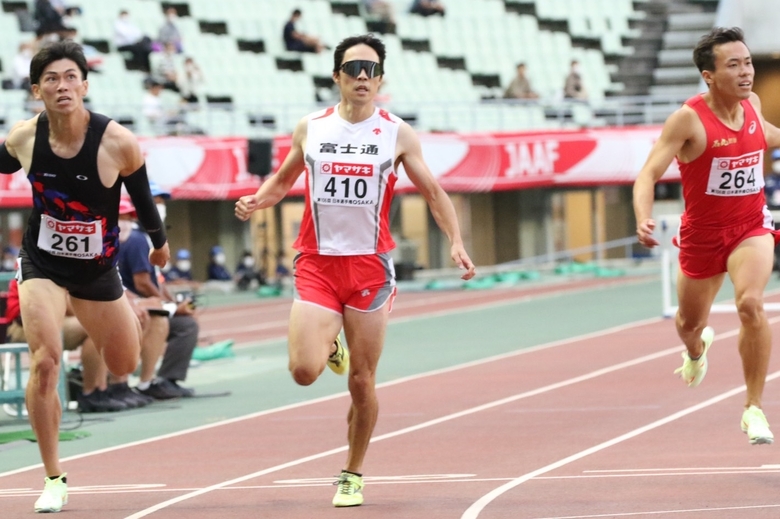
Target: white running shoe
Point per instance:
(54, 496)
(350, 491)
(693, 371)
(755, 425)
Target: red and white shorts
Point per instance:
(363, 283)
(705, 252)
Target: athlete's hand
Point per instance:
(644, 232)
(461, 258)
(160, 257)
(245, 206)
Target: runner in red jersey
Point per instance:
(719, 139)
(343, 274)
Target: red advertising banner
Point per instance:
(504, 161)
(206, 168)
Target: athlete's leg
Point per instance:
(115, 330)
(313, 329)
(695, 297)
(153, 344)
(43, 304)
(73, 334)
(750, 266)
(94, 373)
(365, 333)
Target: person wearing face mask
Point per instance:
(129, 38)
(140, 277)
(182, 270)
(574, 87)
(9, 259)
(169, 32)
(216, 270)
(246, 272)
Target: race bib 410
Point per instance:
(82, 240)
(346, 184)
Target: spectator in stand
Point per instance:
(427, 7)
(181, 271)
(247, 272)
(10, 254)
(164, 120)
(299, 41)
(129, 38)
(169, 33)
(166, 69)
(574, 87)
(20, 68)
(520, 87)
(48, 18)
(191, 81)
(382, 9)
(216, 270)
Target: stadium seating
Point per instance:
(440, 70)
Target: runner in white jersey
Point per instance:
(343, 273)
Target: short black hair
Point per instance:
(364, 39)
(704, 52)
(296, 12)
(66, 49)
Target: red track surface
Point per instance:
(594, 427)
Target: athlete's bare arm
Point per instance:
(409, 153)
(120, 155)
(20, 141)
(279, 184)
(678, 138)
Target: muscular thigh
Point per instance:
(42, 304)
(750, 265)
(112, 325)
(365, 333)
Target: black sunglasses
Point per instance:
(353, 68)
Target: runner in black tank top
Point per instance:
(70, 246)
(71, 190)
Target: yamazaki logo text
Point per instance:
(71, 227)
(354, 170)
(544, 158)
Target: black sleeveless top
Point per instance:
(70, 190)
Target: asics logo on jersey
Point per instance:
(752, 128)
(82, 177)
(376, 131)
(49, 175)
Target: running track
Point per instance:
(592, 426)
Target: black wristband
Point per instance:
(138, 188)
(8, 164)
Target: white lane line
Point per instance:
(423, 425)
(474, 510)
(660, 512)
(495, 358)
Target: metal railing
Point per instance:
(268, 119)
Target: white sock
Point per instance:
(143, 386)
